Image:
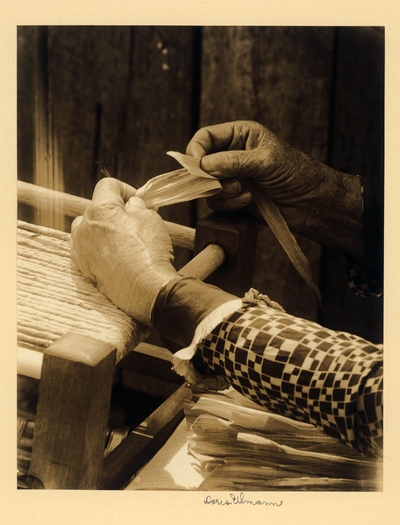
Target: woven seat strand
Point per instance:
(53, 297)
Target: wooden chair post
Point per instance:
(236, 234)
(72, 414)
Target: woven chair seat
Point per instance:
(53, 297)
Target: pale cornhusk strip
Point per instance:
(266, 206)
(272, 215)
(179, 186)
(63, 313)
(31, 328)
(41, 341)
(57, 246)
(53, 297)
(27, 228)
(58, 320)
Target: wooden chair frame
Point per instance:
(76, 372)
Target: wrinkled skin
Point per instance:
(128, 256)
(316, 201)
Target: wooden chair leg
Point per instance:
(144, 442)
(237, 236)
(72, 414)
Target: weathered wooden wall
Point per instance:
(123, 96)
(357, 146)
(320, 89)
(118, 96)
(280, 77)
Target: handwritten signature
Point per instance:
(240, 500)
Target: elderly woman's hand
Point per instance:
(318, 202)
(127, 255)
(235, 152)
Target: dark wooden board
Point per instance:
(280, 77)
(72, 413)
(25, 103)
(119, 96)
(237, 236)
(357, 148)
(143, 443)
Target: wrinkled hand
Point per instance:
(128, 256)
(242, 150)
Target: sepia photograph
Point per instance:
(200, 259)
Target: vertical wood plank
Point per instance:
(280, 77)
(26, 37)
(120, 96)
(357, 148)
(25, 112)
(159, 111)
(236, 235)
(38, 160)
(88, 71)
(72, 413)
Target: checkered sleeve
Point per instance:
(364, 281)
(301, 370)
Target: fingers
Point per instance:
(107, 191)
(225, 164)
(135, 204)
(230, 188)
(211, 139)
(233, 204)
(232, 197)
(73, 244)
(75, 223)
(112, 191)
(236, 135)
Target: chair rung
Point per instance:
(72, 206)
(204, 263)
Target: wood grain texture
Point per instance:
(88, 68)
(236, 235)
(357, 148)
(140, 445)
(280, 77)
(119, 96)
(25, 103)
(72, 415)
(71, 205)
(204, 263)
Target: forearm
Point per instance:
(348, 215)
(302, 371)
(289, 365)
(335, 217)
(182, 305)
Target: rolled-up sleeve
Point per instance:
(289, 365)
(303, 371)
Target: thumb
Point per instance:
(75, 254)
(75, 223)
(225, 164)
